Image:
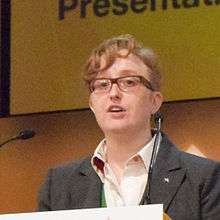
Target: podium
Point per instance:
(154, 212)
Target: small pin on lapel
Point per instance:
(166, 180)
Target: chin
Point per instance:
(117, 128)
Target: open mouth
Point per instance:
(115, 109)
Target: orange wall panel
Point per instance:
(65, 136)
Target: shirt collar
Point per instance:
(146, 152)
(99, 157)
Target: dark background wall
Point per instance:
(65, 136)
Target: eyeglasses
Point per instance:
(125, 84)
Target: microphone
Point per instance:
(25, 134)
(22, 135)
(158, 118)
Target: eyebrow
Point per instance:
(125, 72)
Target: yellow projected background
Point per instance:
(47, 52)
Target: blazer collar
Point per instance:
(86, 167)
(91, 183)
(167, 177)
(168, 174)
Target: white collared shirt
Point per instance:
(134, 179)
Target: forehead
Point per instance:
(123, 66)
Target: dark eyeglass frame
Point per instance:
(143, 80)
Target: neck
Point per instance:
(120, 147)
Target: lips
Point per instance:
(115, 109)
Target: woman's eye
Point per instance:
(103, 84)
(130, 82)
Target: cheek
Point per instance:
(145, 100)
(97, 110)
(97, 106)
(143, 106)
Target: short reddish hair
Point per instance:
(110, 50)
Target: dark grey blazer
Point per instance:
(187, 185)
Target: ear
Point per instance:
(157, 101)
(90, 104)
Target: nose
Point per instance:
(115, 92)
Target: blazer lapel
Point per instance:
(168, 174)
(90, 184)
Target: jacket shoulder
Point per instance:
(197, 162)
(195, 166)
(68, 168)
